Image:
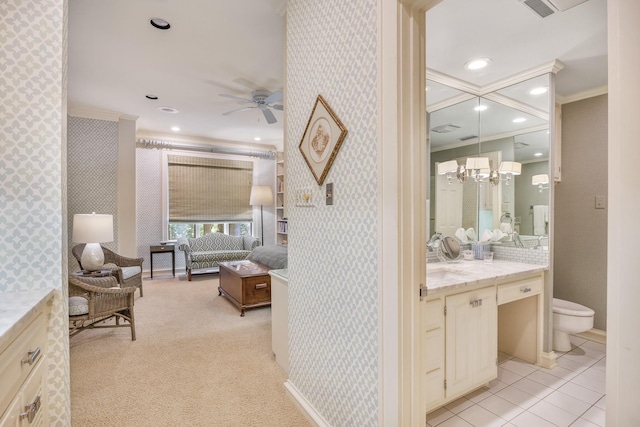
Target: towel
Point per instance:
(471, 234)
(540, 219)
(486, 236)
(462, 237)
(496, 235)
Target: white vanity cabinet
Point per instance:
(465, 326)
(471, 340)
(22, 378)
(433, 351)
(23, 359)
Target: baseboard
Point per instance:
(596, 335)
(304, 406)
(548, 360)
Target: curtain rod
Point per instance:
(171, 145)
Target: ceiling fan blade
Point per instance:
(274, 97)
(236, 98)
(238, 110)
(277, 107)
(271, 119)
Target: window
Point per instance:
(208, 195)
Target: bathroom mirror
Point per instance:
(506, 125)
(450, 248)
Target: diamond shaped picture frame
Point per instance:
(322, 139)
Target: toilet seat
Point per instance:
(569, 308)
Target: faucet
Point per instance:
(517, 240)
(434, 242)
(540, 237)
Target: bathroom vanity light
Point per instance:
(505, 172)
(540, 180)
(475, 167)
(478, 168)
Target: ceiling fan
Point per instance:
(263, 100)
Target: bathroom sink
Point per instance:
(447, 274)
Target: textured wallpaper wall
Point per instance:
(580, 255)
(333, 284)
(92, 173)
(32, 163)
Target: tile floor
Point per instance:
(525, 395)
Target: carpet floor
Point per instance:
(195, 362)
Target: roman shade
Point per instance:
(204, 189)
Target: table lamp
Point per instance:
(92, 229)
(261, 195)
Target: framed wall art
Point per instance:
(322, 139)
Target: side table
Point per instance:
(161, 249)
(96, 273)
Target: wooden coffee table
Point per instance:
(247, 284)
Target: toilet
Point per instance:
(569, 318)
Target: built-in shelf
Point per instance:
(282, 225)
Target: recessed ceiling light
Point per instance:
(152, 97)
(477, 64)
(538, 154)
(519, 120)
(175, 128)
(160, 23)
(480, 108)
(538, 90)
(170, 110)
(257, 138)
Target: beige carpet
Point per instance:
(195, 362)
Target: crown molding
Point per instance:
(550, 67)
(596, 91)
(96, 114)
(447, 80)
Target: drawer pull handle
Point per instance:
(261, 285)
(476, 303)
(525, 290)
(32, 357)
(31, 410)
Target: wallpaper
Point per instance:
(32, 163)
(333, 258)
(92, 168)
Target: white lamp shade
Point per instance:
(478, 163)
(540, 179)
(261, 195)
(92, 228)
(447, 167)
(514, 168)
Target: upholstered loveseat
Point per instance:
(210, 250)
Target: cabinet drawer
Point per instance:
(30, 402)
(434, 314)
(257, 289)
(20, 358)
(520, 289)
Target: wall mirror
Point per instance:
(509, 127)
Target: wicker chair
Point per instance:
(95, 301)
(127, 270)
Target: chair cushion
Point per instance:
(78, 306)
(128, 272)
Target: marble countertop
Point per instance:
(442, 277)
(17, 309)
